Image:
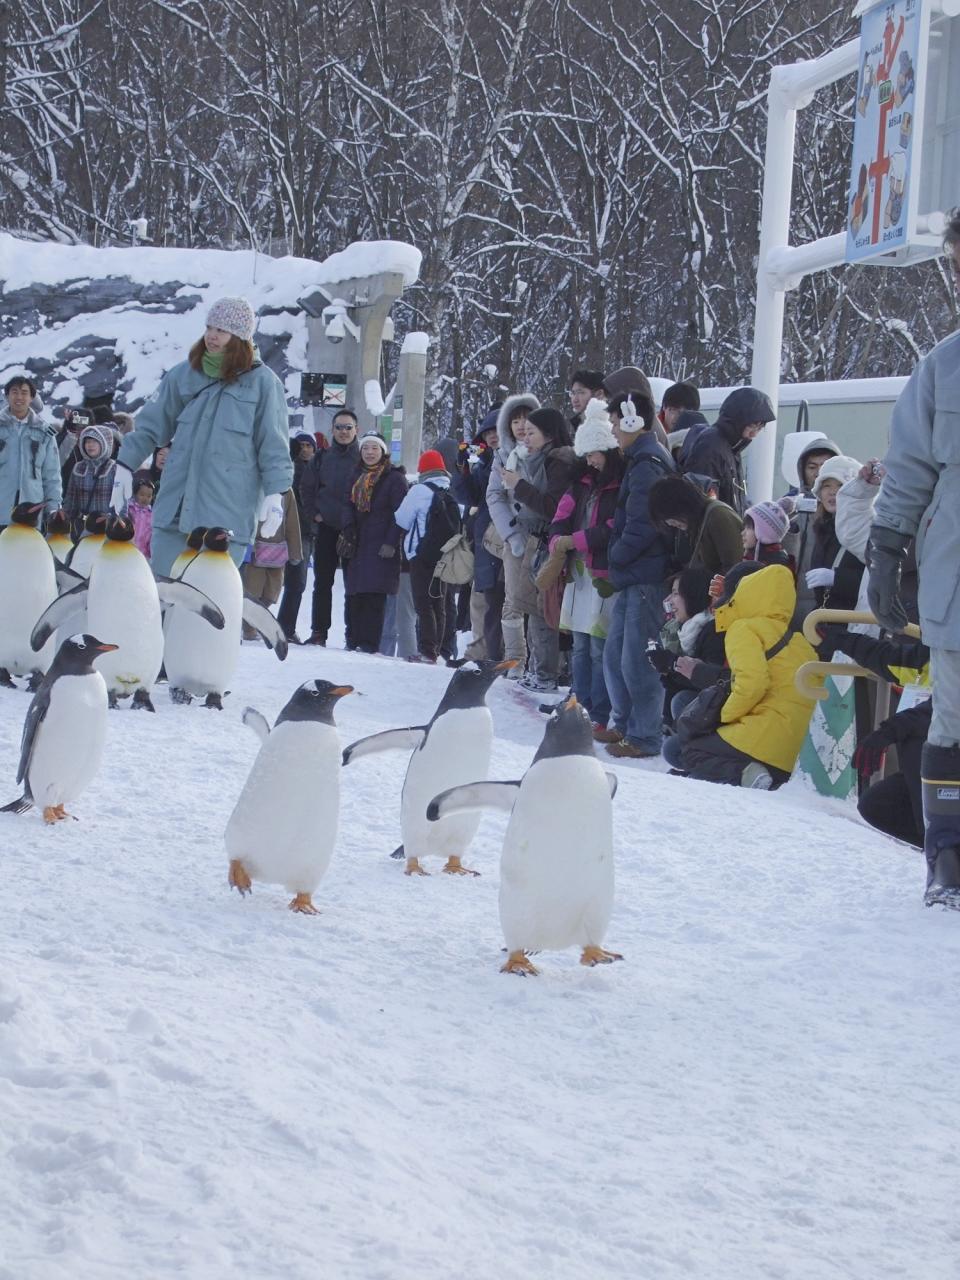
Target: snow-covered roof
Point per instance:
(371, 258)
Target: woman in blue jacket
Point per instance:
(224, 415)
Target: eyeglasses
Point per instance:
(343, 426)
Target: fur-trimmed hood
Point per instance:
(507, 411)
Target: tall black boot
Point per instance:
(940, 772)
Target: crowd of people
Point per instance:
(613, 546)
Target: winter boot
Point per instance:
(940, 773)
(514, 646)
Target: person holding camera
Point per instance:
(29, 460)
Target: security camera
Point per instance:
(336, 329)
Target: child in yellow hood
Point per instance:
(764, 720)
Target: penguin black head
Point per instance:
(77, 655)
(470, 685)
(57, 524)
(195, 537)
(26, 513)
(569, 732)
(217, 539)
(96, 522)
(314, 700)
(120, 529)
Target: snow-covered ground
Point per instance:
(194, 1086)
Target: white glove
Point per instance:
(122, 489)
(820, 578)
(271, 515)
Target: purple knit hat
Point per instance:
(771, 520)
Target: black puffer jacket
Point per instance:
(326, 484)
(716, 451)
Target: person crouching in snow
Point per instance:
(765, 525)
(430, 516)
(140, 511)
(91, 480)
(764, 718)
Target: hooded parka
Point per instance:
(717, 450)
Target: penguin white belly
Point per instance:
(456, 751)
(85, 554)
(28, 584)
(123, 608)
(197, 656)
(69, 744)
(556, 870)
(284, 824)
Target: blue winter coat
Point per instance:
(637, 552)
(367, 570)
(29, 463)
(230, 445)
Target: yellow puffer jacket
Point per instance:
(764, 716)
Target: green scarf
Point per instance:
(212, 363)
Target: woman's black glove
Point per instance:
(870, 752)
(661, 660)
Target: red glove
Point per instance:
(870, 753)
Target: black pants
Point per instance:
(429, 600)
(711, 758)
(294, 585)
(451, 609)
(894, 805)
(326, 562)
(366, 620)
(492, 630)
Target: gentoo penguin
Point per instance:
(28, 584)
(87, 549)
(199, 661)
(64, 732)
(122, 599)
(58, 536)
(556, 869)
(452, 749)
(284, 825)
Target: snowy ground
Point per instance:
(196, 1086)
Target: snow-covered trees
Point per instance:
(583, 176)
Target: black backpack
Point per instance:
(443, 521)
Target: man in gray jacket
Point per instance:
(29, 459)
(920, 497)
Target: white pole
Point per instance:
(768, 316)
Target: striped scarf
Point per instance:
(361, 495)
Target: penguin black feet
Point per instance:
(35, 681)
(6, 681)
(214, 702)
(454, 867)
(238, 878)
(180, 696)
(142, 702)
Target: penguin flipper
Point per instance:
(67, 578)
(172, 591)
(39, 706)
(475, 795)
(68, 611)
(391, 740)
(265, 624)
(612, 783)
(256, 721)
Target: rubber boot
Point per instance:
(940, 774)
(514, 646)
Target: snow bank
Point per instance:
(196, 1087)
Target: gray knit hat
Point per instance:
(234, 315)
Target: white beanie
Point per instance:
(376, 438)
(234, 315)
(594, 434)
(839, 468)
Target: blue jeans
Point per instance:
(634, 687)
(588, 681)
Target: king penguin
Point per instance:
(58, 536)
(28, 585)
(556, 868)
(122, 599)
(190, 551)
(452, 749)
(284, 825)
(199, 661)
(65, 730)
(84, 554)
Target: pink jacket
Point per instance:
(142, 518)
(590, 537)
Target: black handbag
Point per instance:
(702, 715)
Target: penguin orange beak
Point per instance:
(107, 648)
(507, 665)
(341, 690)
(571, 702)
